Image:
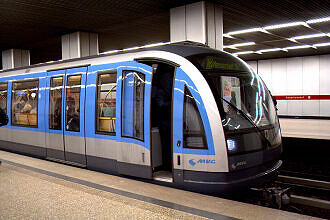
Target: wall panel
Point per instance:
(295, 108)
(298, 81)
(265, 71)
(282, 106)
(311, 75)
(325, 75)
(295, 76)
(325, 108)
(279, 80)
(311, 107)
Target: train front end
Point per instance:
(249, 120)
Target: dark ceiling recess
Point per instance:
(37, 25)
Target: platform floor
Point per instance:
(31, 188)
(305, 128)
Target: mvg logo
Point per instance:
(193, 162)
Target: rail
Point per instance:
(304, 182)
(308, 186)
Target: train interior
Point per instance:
(161, 121)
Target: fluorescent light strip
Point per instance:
(245, 31)
(283, 49)
(239, 45)
(243, 52)
(321, 44)
(297, 47)
(308, 36)
(227, 36)
(269, 50)
(277, 26)
(319, 20)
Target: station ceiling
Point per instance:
(37, 25)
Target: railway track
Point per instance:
(294, 194)
(306, 175)
(297, 181)
(308, 192)
(307, 196)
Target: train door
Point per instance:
(189, 136)
(54, 115)
(134, 153)
(161, 121)
(65, 127)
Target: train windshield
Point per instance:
(245, 104)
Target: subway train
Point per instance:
(182, 114)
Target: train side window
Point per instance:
(55, 103)
(106, 102)
(72, 109)
(133, 104)
(25, 103)
(3, 96)
(193, 129)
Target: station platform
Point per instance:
(32, 188)
(305, 128)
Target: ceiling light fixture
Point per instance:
(297, 47)
(321, 44)
(308, 36)
(245, 31)
(227, 36)
(283, 49)
(243, 52)
(318, 20)
(269, 50)
(277, 26)
(293, 40)
(233, 46)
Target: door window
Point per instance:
(55, 103)
(106, 103)
(133, 104)
(193, 129)
(25, 103)
(3, 96)
(72, 114)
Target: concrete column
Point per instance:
(199, 22)
(14, 58)
(79, 44)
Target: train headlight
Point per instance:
(231, 145)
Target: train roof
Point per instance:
(184, 49)
(188, 48)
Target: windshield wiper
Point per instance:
(249, 120)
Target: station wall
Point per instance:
(301, 85)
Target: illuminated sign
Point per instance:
(213, 63)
